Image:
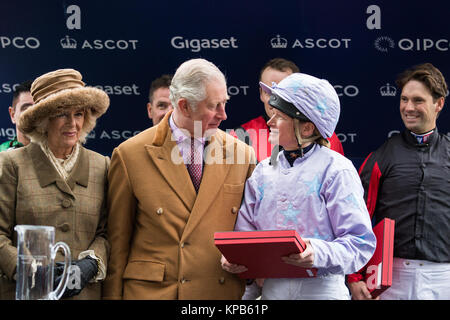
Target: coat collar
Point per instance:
(46, 173)
(411, 140)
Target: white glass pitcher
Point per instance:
(36, 252)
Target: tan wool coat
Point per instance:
(161, 231)
(33, 193)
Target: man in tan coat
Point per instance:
(171, 187)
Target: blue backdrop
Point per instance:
(121, 46)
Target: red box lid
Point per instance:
(261, 252)
(379, 268)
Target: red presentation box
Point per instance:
(261, 252)
(379, 268)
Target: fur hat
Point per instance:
(60, 90)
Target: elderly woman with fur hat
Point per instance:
(308, 188)
(55, 181)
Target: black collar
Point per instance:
(290, 156)
(412, 141)
(293, 155)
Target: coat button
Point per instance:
(182, 245)
(64, 227)
(159, 211)
(66, 203)
(183, 280)
(221, 280)
(234, 210)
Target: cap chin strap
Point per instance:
(300, 140)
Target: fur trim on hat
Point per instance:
(34, 121)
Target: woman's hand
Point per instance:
(304, 259)
(231, 267)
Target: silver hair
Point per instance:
(190, 79)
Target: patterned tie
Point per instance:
(195, 167)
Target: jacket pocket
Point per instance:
(144, 270)
(233, 188)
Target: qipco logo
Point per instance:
(19, 42)
(423, 44)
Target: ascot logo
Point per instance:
(309, 43)
(278, 42)
(388, 91)
(112, 134)
(71, 43)
(68, 43)
(322, 43)
(347, 137)
(236, 90)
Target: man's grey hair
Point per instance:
(190, 81)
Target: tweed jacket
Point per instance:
(161, 231)
(33, 193)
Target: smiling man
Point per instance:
(168, 195)
(408, 179)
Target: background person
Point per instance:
(407, 179)
(22, 100)
(158, 98)
(308, 188)
(256, 131)
(55, 181)
(168, 195)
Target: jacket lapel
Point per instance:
(46, 173)
(166, 156)
(80, 172)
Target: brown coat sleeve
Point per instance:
(8, 186)
(121, 206)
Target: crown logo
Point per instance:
(278, 42)
(388, 91)
(68, 43)
(91, 135)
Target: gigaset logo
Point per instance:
(196, 45)
(120, 90)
